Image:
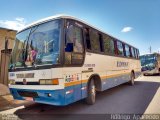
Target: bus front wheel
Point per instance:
(91, 93)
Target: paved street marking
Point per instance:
(154, 106)
(11, 111)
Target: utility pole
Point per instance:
(150, 49)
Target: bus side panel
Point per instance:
(114, 81)
(72, 94)
(69, 95)
(84, 90)
(77, 92)
(73, 84)
(138, 69)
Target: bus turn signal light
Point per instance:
(55, 82)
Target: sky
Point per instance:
(136, 22)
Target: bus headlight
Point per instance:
(42, 82)
(12, 82)
(49, 81)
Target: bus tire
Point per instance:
(131, 82)
(91, 93)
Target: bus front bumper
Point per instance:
(52, 97)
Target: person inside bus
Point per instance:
(35, 48)
(31, 56)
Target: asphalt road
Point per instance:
(123, 99)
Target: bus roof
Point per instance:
(67, 17)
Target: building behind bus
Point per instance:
(7, 38)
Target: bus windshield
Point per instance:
(148, 60)
(38, 45)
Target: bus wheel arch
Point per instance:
(97, 81)
(93, 85)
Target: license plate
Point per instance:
(28, 98)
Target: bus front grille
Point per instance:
(28, 94)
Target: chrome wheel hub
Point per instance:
(93, 90)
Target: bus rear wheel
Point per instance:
(91, 93)
(132, 77)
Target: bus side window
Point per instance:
(120, 48)
(137, 54)
(127, 49)
(132, 51)
(74, 51)
(109, 47)
(94, 38)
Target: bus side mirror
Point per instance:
(69, 47)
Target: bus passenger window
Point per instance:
(108, 45)
(74, 51)
(137, 53)
(74, 37)
(78, 40)
(133, 53)
(127, 49)
(120, 48)
(94, 38)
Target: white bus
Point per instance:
(150, 63)
(61, 59)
